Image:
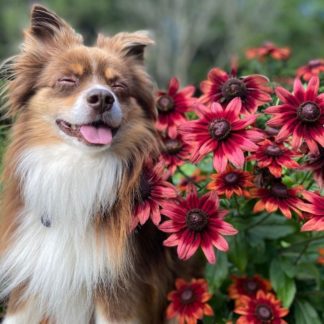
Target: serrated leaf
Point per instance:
(305, 313)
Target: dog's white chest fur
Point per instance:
(65, 187)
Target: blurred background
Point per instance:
(191, 35)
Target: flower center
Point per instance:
(187, 296)
(251, 286)
(264, 312)
(233, 88)
(219, 129)
(145, 187)
(309, 112)
(173, 146)
(273, 150)
(231, 178)
(196, 220)
(314, 63)
(165, 103)
(279, 190)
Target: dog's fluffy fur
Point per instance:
(67, 253)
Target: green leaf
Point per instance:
(216, 274)
(274, 227)
(283, 285)
(238, 252)
(306, 271)
(305, 313)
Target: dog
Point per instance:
(83, 129)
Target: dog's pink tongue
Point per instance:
(96, 135)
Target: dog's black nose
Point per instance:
(100, 100)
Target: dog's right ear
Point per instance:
(47, 26)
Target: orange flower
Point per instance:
(268, 49)
(247, 286)
(232, 181)
(189, 301)
(264, 308)
(312, 68)
(320, 259)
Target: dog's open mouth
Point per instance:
(96, 133)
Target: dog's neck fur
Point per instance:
(66, 187)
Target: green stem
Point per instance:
(259, 222)
(302, 242)
(302, 252)
(188, 178)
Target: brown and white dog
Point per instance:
(83, 127)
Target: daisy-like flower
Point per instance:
(247, 286)
(315, 163)
(153, 190)
(222, 132)
(264, 308)
(268, 49)
(196, 222)
(315, 208)
(301, 115)
(278, 196)
(222, 87)
(172, 105)
(230, 182)
(189, 301)
(274, 156)
(312, 68)
(174, 153)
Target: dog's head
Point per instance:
(96, 97)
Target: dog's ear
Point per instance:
(129, 45)
(46, 26)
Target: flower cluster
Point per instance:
(241, 165)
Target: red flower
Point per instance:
(189, 301)
(274, 156)
(222, 87)
(196, 222)
(320, 259)
(278, 196)
(268, 49)
(247, 286)
(315, 163)
(174, 153)
(312, 68)
(316, 211)
(301, 115)
(172, 106)
(264, 308)
(230, 182)
(222, 132)
(154, 190)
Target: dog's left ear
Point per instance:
(130, 45)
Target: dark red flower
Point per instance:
(174, 152)
(196, 222)
(274, 156)
(247, 286)
(301, 115)
(262, 309)
(222, 132)
(315, 207)
(222, 87)
(277, 195)
(315, 163)
(189, 301)
(230, 182)
(172, 106)
(268, 49)
(153, 190)
(312, 68)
